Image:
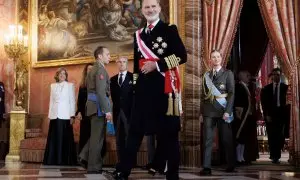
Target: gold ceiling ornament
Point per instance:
(16, 45)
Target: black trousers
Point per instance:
(167, 150)
(275, 132)
(121, 127)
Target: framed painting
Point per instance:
(66, 32)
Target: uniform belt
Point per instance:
(221, 96)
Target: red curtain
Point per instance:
(267, 66)
(281, 18)
(220, 19)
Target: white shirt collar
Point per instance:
(218, 69)
(124, 73)
(154, 23)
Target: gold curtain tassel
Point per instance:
(176, 105)
(170, 105)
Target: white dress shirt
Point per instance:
(62, 101)
(278, 93)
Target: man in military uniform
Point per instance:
(217, 105)
(158, 51)
(98, 109)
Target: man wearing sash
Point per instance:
(243, 115)
(98, 110)
(158, 51)
(217, 105)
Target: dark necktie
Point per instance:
(214, 75)
(149, 28)
(120, 79)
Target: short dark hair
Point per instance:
(98, 50)
(276, 69)
(56, 77)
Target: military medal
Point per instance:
(164, 45)
(222, 86)
(159, 39)
(160, 51)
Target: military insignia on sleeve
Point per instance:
(2, 89)
(222, 86)
(101, 76)
(160, 51)
(159, 39)
(155, 45)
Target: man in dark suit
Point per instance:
(121, 94)
(98, 110)
(158, 51)
(273, 101)
(217, 105)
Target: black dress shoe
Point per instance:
(95, 172)
(152, 171)
(205, 172)
(275, 161)
(83, 163)
(229, 169)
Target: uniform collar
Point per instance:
(154, 23)
(217, 69)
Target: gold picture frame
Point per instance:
(34, 22)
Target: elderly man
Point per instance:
(121, 94)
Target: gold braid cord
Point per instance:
(208, 95)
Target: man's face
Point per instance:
(122, 64)
(151, 10)
(216, 58)
(105, 56)
(276, 76)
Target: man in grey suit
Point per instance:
(98, 110)
(217, 105)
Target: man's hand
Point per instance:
(225, 116)
(108, 116)
(148, 67)
(79, 116)
(201, 118)
(72, 120)
(239, 111)
(268, 119)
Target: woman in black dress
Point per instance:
(60, 148)
(85, 124)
